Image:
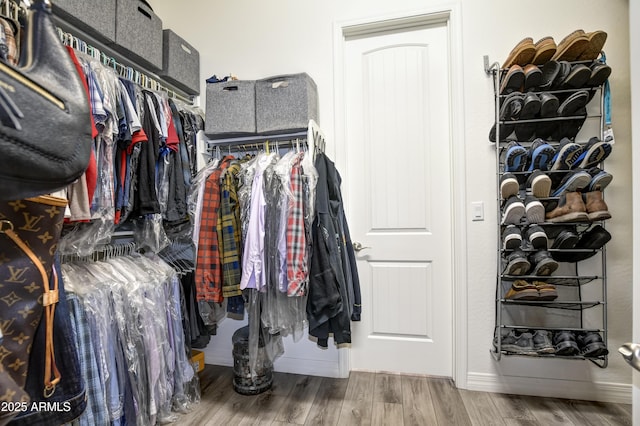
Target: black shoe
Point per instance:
(591, 344)
(593, 239)
(575, 180)
(508, 185)
(534, 209)
(566, 154)
(511, 238)
(538, 184)
(540, 155)
(600, 179)
(566, 239)
(516, 264)
(543, 264)
(565, 343)
(530, 109)
(513, 211)
(537, 237)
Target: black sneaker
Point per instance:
(575, 180)
(591, 344)
(540, 155)
(565, 343)
(508, 185)
(516, 263)
(600, 179)
(537, 237)
(513, 211)
(567, 153)
(539, 184)
(542, 342)
(511, 238)
(566, 239)
(543, 264)
(534, 209)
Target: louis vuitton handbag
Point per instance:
(29, 232)
(45, 128)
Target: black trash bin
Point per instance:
(243, 383)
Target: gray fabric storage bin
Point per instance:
(139, 33)
(285, 103)
(231, 108)
(95, 17)
(180, 63)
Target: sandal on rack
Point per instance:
(522, 54)
(571, 47)
(545, 49)
(596, 40)
(510, 109)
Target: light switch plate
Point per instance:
(477, 210)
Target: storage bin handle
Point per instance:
(230, 88)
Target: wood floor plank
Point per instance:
(299, 401)
(512, 406)
(547, 411)
(388, 388)
(356, 413)
(328, 403)
(416, 402)
(232, 412)
(384, 414)
(364, 399)
(613, 414)
(585, 413)
(482, 411)
(447, 403)
(360, 386)
(216, 389)
(266, 405)
(520, 422)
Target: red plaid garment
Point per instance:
(297, 271)
(208, 268)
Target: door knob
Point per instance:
(358, 246)
(631, 353)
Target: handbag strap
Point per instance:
(49, 299)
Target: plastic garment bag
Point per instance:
(136, 302)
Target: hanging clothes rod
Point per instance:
(145, 79)
(313, 135)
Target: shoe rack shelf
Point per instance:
(569, 276)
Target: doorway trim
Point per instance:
(450, 15)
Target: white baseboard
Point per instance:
(569, 389)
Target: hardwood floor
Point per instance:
(384, 399)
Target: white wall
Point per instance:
(259, 39)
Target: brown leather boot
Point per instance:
(596, 207)
(570, 208)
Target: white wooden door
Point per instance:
(397, 120)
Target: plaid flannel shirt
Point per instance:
(297, 252)
(229, 239)
(208, 268)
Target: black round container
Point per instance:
(243, 383)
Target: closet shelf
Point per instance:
(314, 136)
(564, 280)
(120, 62)
(544, 120)
(525, 327)
(573, 305)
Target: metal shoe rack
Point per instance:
(582, 301)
